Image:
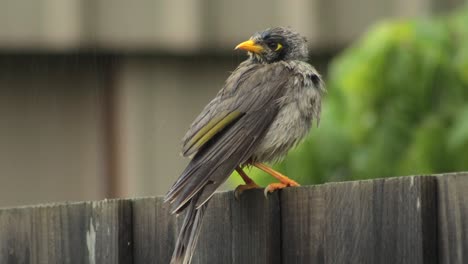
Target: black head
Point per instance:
(276, 44)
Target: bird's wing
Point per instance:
(247, 109)
(214, 125)
(221, 111)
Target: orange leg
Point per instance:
(249, 183)
(244, 176)
(284, 181)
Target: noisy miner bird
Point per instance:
(265, 108)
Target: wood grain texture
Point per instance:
(453, 218)
(242, 232)
(91, 232)
(417, 219)
(154, 230)
(380, 221)
(302, 224)
(245, 231)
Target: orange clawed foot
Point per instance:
(278, 186)
(243, 187)
(284, 181)
(250, 184)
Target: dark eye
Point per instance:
(274, 46)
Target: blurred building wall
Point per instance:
(96, 95)
(52, 143)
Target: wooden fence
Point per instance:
(417, 219)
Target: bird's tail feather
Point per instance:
(188, 236)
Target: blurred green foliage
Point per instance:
(397, 104)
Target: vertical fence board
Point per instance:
(154, 231)
(302, 224)
(245, 231)
(381, 221)
(92, 232)
(417, 219)
(453, 218)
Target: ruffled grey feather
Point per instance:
(274, 98)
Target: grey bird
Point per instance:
(266, 107)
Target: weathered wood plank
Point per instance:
(453, 218)
(252, 224)
(245, 231)
(302, 224)
(380, 221)
(91, 232)
(154, 230)
(391, 220)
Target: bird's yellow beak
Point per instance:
(250, 45)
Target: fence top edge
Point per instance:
(92, 203)
(228, 192)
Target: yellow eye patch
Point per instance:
(278, 47)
